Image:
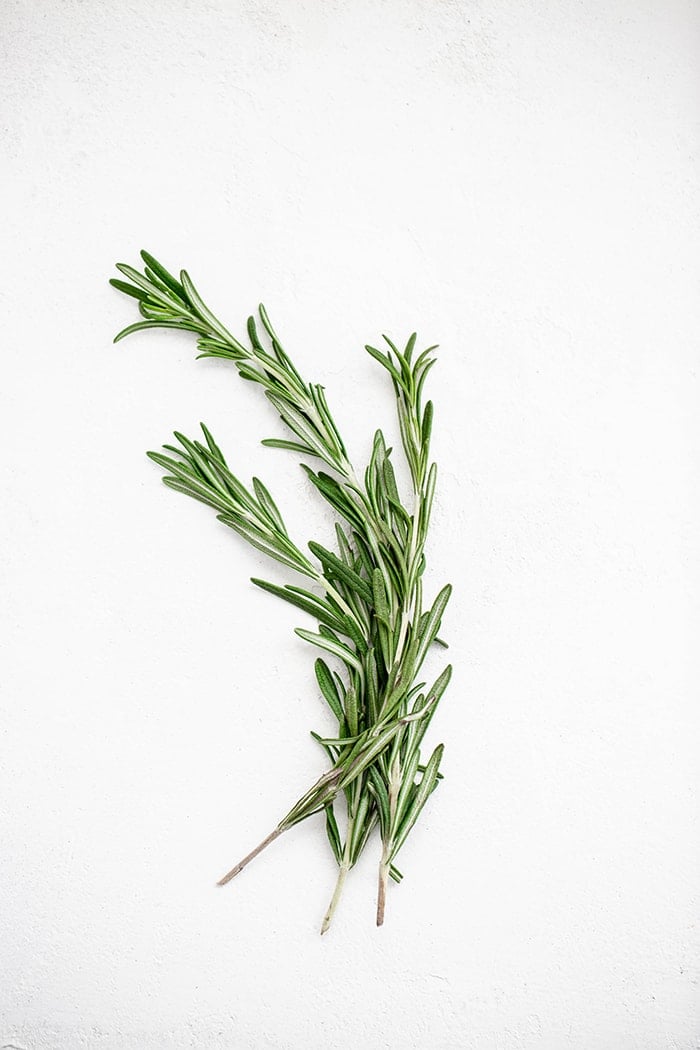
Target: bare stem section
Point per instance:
(337, 893)
(381, 893)
(251, 856)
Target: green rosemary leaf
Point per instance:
(365, 821)
(336, 742)
(248, 372)
(224, 355)
(188, 489)
(293, 446)
(216, 463)
(166, 277)
(181, 466)
(364, 757)
(145, 324)
(253, 335)
(384, 361)
(153, 293)
(128, 289)
(381, 605)
(258, 540)
(344, 546)
(328, 633)
(416, 731)
(334, 494)
(389, 479)
(432, 624)
(197, 456)
(372, 679)
(200, 308)
(427, 503)
(427, 423)
(329, 746)
(410, 346)
(340, 570)
(351, 710)
(423, 791)
(293, 376)
(212, 445)
(328, 689)
(328, 418)
(213, 346)
(299, 425)
(307, 602)
(333, 834)
(331, 646)
(178, 303)
(378, 789)
(348, 626)
(406, 791)
(406, 380)
(269, 506)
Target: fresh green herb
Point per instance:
(373, 628)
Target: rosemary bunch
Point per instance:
(366, 596)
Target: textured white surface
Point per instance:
(519, 181)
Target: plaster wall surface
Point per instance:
(517, 181)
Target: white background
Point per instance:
(519, 182)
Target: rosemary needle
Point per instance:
(372, 626)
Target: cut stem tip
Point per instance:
(247, 859)
(328, 917)
(381, 894)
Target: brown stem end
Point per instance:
(381, 894)
(246, 860)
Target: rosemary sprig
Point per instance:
(370, 616)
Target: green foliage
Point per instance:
(368, 596)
